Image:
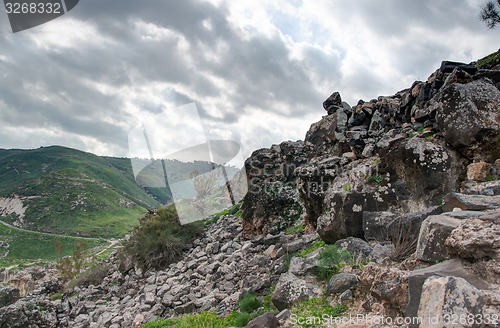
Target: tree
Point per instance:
(490, 14)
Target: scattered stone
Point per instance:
(267, 320)
(291, 290)
(355, 246)
(341, 282)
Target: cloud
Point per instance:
(258, 71)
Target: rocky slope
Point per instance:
(399, 181)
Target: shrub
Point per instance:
(92, 276)
(332, 259)
(405, 244)
(69, 267)
(242, 319)
(159, 239)
(250, 302)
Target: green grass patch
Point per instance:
(333, 258)
(316, 245)
(488, 59)
(310, 313)
(32, 245)
(295, 230)
(202, 320)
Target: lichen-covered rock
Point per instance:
(291, 290)
(468, 116)
(341, 282)
(453, 268)
(388, 285)
(355, 246)
(425, 169)
(475, 239)
(433, 233)
(444, 297)
(470, 202)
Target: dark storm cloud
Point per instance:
(192, 48)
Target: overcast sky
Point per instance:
(258, 71)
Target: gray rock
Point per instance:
(475, 239)
(443, 297)
(467, 116)
(433, 234)
(346, 296)
(294, 245)
(341, 282)
(300, 266)
(489, 188)
(470, 202)
(464, 214)
(355, 246)
(453, 268)
(267, 320)
(283, 315)
(377, 122)
(375, 224)
(291, 290)
(8, 295)
(381, 251)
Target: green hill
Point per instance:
(72, 192)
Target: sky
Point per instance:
(256, 71)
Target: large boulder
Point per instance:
(468, 116)
(427, 171)
(445, 297)
(8, 295)
(433, 234)
(470, 202)
(272, 202)
(388, 285)
(341, 282)
(267, 320)
(453, 268)
(291, 290)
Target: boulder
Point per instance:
(267, 320)
(444, 297)
(300, 266)
(433, 233)
(355, 246)
(375, 224)
(291, 290)
(341, 282)
(475, 239)
(388, 285)
(8, 295)
(478, 171)
(489, 188)
(468, 115)
(424, 169)
(453, 268)
(470, 202)
(333, 103)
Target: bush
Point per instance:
(159, 239)
(242, 319)
(92, 276)
(332, 259)
(249, 303)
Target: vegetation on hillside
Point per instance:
(159, 239)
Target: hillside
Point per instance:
(66, 191)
